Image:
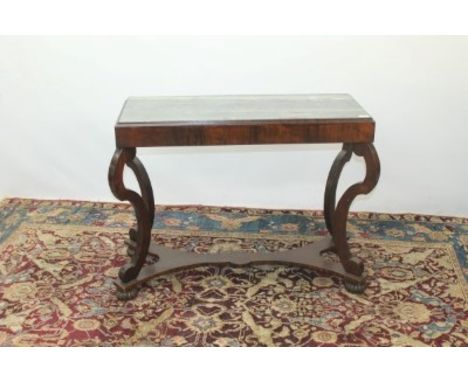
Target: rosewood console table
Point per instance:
(242, 120)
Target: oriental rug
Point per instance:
(58, 260)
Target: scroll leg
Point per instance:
(143, 206)
(332, 182)
(336, 217)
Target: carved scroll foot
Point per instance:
(126, 295)
(355, 287)
(143, 206)
(336, 215)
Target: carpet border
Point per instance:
(410, 216)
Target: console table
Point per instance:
(242, 120)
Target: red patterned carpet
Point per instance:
(58, 259)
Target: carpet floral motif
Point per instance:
(58, 260)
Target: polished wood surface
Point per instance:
(223, 120)
(242, 120)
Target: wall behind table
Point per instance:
(60, 97)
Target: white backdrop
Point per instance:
(60, 97)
